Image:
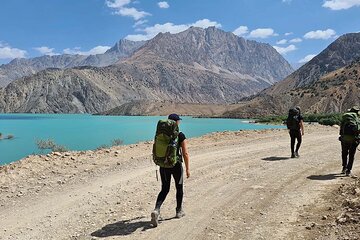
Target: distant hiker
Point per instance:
(168, 151)
(294, 123)
(349, 137)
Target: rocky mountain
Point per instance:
(195, 66)
(338, 54)
(328, 83)
(221, 52)
(18, 68)
(163, 108)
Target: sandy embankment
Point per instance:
(242, 186)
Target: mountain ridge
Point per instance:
(329, 83)
(151, 74)
(22, 67)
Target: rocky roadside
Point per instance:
(336, 215)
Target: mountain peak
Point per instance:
(338, 54)
(216, 50)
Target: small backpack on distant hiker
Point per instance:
(165, 143)
(293, 121)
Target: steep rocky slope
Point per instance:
(167, 68)
(25, 67)
(221, 52)
(330, 82)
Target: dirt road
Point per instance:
(242, 186)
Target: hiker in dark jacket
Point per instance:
(177, 173)
(295, 125)
(349, 137)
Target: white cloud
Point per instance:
(289, 33)
(140, 22)
(205, 23)
(286, 1)
(93, 51)
(150, 32)
(138, 37)
(307, 58)
(163, 5)
(282, 41)
(132, 12)
(262, 33)
(242, 30)
(341, 4)
(319, 34)
(46, 50)
(285, 50)
(120, 9)
(117, 3)
(7, 52)
(295, 40)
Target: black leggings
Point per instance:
(295, 134)
(165, 173)
(348, 148)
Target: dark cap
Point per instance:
(354, 109)
(174, 117)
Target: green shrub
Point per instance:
(50, 144)
(60, 148)
(117, 142)
(271, 119)
(324, 119)
(329, 121)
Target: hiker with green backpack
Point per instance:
(349, 137)
(294, 123)
(169, 150)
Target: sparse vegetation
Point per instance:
(272, 119)
(324, 119)
(50, 144)
(117, 142)
(103, 146)
(9, 137)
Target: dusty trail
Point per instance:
(243, 186)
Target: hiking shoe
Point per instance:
(155, 217)
(343, 171)
(297, 154)
(179, 213)
(293, 155)
(348, 172)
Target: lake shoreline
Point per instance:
(87, 132)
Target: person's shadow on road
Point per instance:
(330, 176)
(273, 158)
(122, 228)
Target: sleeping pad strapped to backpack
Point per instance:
(165, 143)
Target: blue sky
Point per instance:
(298, 29)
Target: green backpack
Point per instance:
(350, 124)
(165, 143)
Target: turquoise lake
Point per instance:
(87, 132)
